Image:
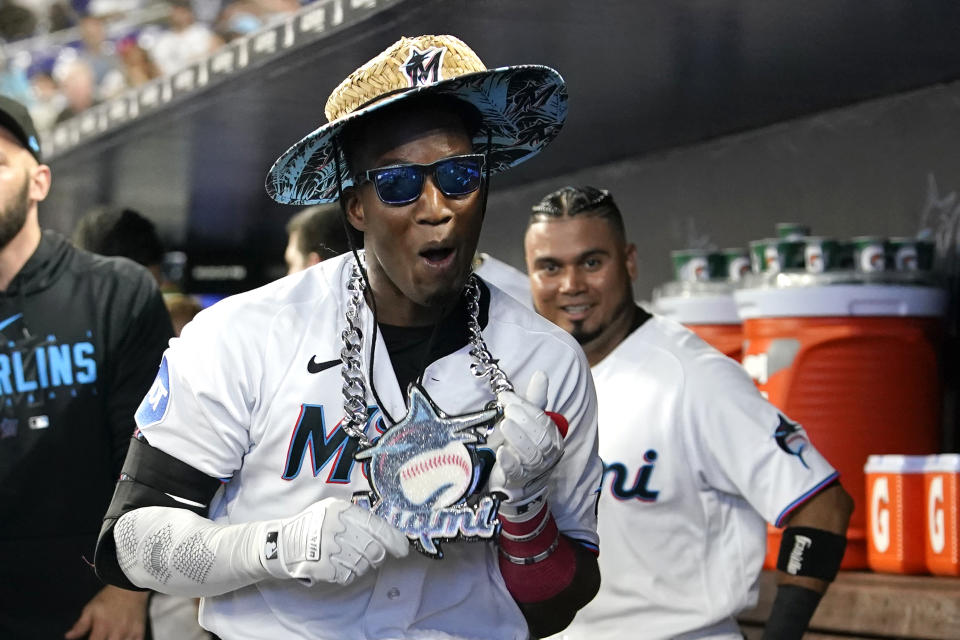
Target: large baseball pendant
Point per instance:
(423, 473)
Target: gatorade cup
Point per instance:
(773, 255)
(691, 265)
(871, 254)
(941, 477)
(845, 255)
(821, 254)
(895, 518)
(737, 262)
(758, 254)
(911, 254)
(790, 255)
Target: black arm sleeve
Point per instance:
(791, 613)
(554, 615)
(149, 478)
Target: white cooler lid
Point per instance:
(840, 301)
(698, 309)
(895, 464)
(947, 462)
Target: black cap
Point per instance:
(15, 117)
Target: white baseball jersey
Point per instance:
(237, 399)
(506, 278)
(695, 463)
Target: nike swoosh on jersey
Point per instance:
(10, 320)
(316, 367)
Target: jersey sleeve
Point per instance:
(745, 446)
(200, 406)
(575, 482)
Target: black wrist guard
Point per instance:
(815, 553)
(791, 612)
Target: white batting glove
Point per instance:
(527, 442)
(330, 541)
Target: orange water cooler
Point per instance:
(856, 365)
(941, 510)
(707, 310)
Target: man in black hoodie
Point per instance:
(80, 338)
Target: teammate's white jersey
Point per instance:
(695, 462)
(240, 403)
(506, 277)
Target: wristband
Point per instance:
(526, 537)
(540, 557)
(814, 553)
(531, 538)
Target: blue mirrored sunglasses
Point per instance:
(402, 184)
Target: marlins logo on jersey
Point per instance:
(791, 438)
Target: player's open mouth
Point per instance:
(438, 256)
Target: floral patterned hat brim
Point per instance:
(522, 107)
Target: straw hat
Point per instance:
(522, 108)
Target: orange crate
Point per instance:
(895, 520)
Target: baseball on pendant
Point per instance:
(440, 477)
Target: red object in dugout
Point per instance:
(859, 384)
(941, 512)
(895, 522)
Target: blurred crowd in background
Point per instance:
(60, 57)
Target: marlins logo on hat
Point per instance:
(522, 109)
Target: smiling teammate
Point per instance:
(695, 460)
(239, 488)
